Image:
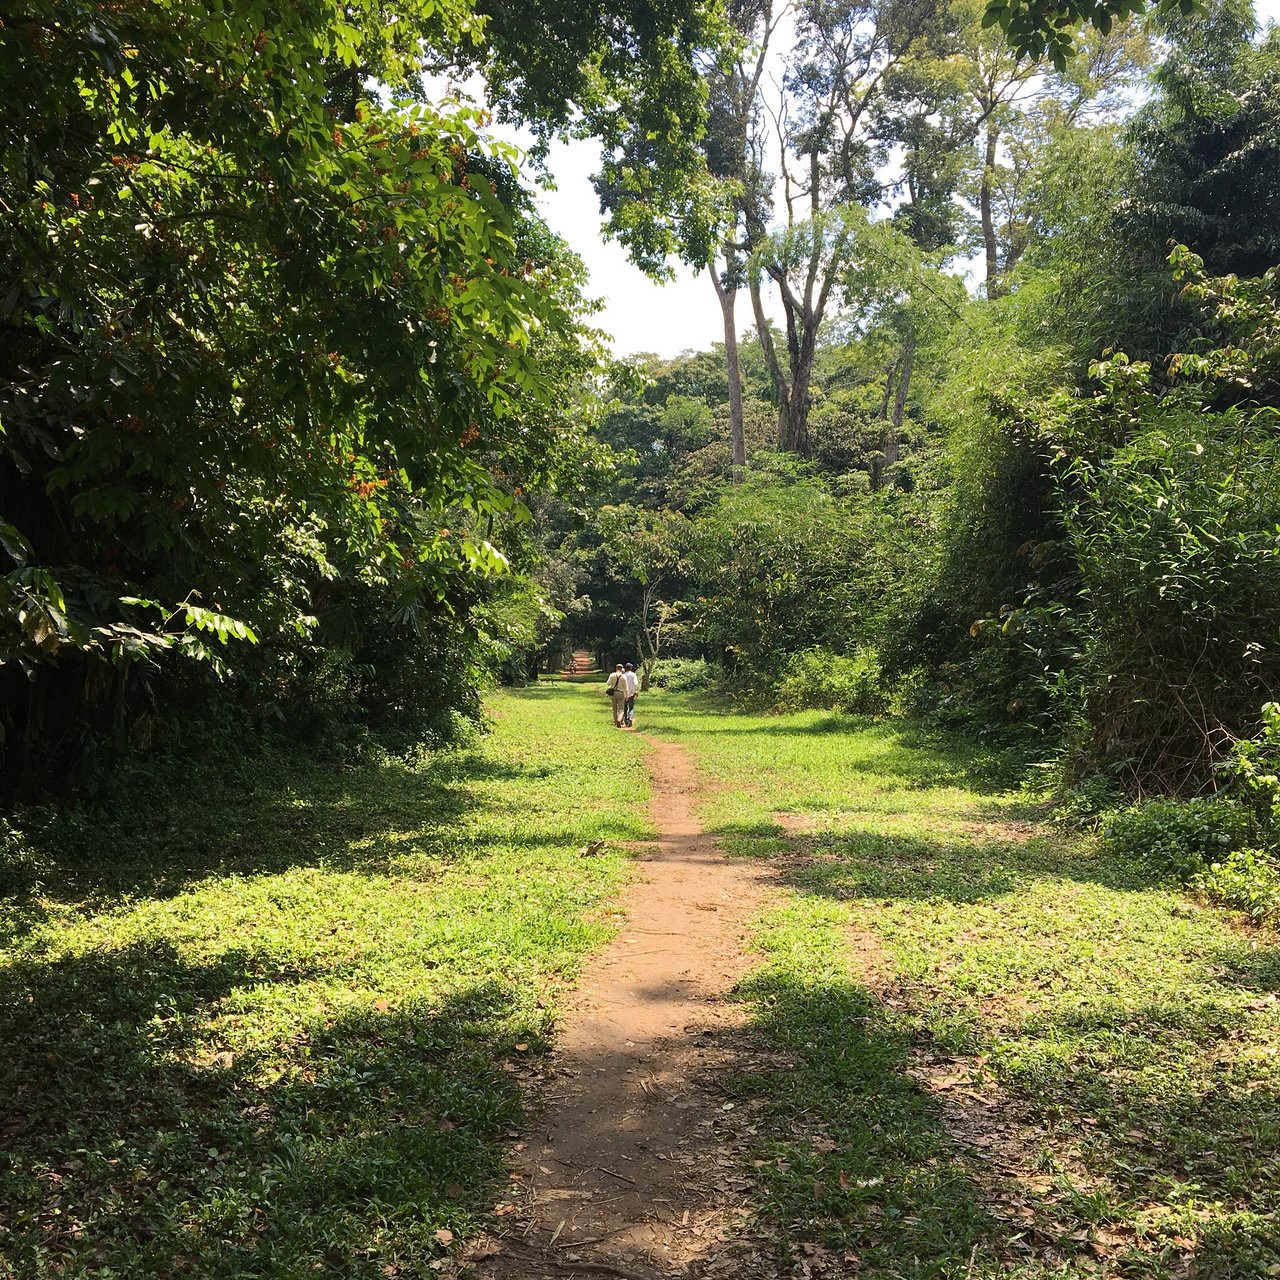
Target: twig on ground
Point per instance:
(599, 1268)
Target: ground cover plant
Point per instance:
(272, 1023)
(1003, 1049)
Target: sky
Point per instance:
(639, 314)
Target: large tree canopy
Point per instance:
(268, 323)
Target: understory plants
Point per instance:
(683, 675)
(1226, 846)
(849, 683)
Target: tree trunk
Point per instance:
(795, 435)
(990, 245)
(893, 437)
(878, 465)
(782, 389)
(646, 646)
(728, 297)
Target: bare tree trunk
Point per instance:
(728, 297)
(893, 437)
(781, 386)
(989, 242)
(878, 465)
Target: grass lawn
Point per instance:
(997, 1051)
(267, 1020)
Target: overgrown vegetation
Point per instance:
(1048, 511)
(283, 345)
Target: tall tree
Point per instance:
(263, 332)
(734, 147)
(844, 58)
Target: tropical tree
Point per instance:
(271, 336)
(647, 549)
(830, 157)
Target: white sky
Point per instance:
(640, 314)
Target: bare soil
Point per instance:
(635, 1167)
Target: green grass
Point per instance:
(267, 1019)
(1108, 1050)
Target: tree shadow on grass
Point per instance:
(1169, 1108)
(854, 1155)
(875, 867)
(1172, 1103)
(286, 813)
(130, 1140)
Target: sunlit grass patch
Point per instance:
(1056, 1067)
(272, 1025)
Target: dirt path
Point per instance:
(634, 1170)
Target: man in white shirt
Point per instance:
(632, 682)
(616, 687)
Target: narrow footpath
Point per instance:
(634, 1170)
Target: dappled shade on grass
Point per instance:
(267, 1024)
(1056, 1066)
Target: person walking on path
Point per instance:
(616, 688)
(632, 682)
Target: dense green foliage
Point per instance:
(1049, 511)
(283, 346)
(304, 431)
(1067, 522)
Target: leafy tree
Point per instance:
(1040, 28)
(647, 549)
(1195, 166)
(1208, 151)
(273, 349)
(830, 158)
(781, 565)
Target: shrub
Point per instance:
(1170, 504)
(1247, 879)
(682, 675)
(1255, 770)
(1181, 837)
(1088, 802)
(819, 678)
(1226, 847)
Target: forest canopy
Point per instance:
(1044, 504)
(284, 344)
(305, 420)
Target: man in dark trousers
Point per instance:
(632, 682)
